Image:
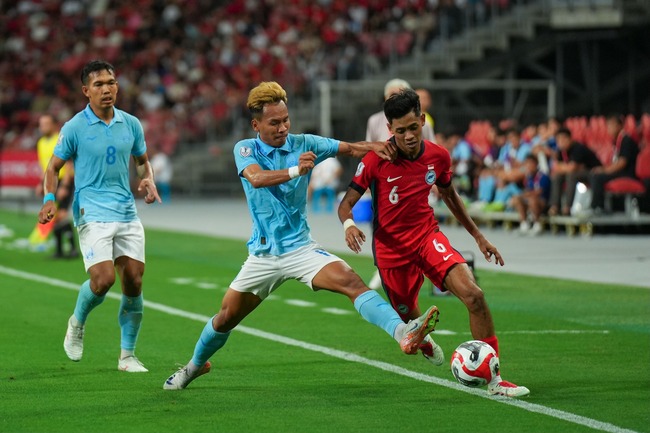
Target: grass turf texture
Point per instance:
(259, 385)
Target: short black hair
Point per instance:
(402, 103)
(531, 157)
(95, 66)
(513, 130)
(564, 130)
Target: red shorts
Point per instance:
(434, 260)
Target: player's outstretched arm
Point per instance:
(384, 149)
(147, 183)
(457, 208)
(260, 178)
(354, 237)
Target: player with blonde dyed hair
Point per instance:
(268, 92)
(275, 169)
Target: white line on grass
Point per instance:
(530, 407)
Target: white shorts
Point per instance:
(100, 242)
(261, 275)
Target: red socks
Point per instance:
(492, 341)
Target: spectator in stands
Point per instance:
(543, 146)
(623, 163)
(462, 163)
(425, 102)
(65, 243)
(531, 203)
(574, 162)
(508, 174)
(377, 125)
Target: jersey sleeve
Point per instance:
(445, 174)
(66, 146)
(244, 155)
(365, 173)
(139, 145)
(323, 147)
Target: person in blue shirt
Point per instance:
(532, 202)
(100, 140)
(275, 168)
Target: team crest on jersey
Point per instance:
(430, 177)
(245, 151)
(360, 168)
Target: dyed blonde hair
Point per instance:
(267, 92)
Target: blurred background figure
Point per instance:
(61, 225)
(377, 125)
(163, 172)
(323, 185)
(532, 202)
(425, 105)
(573, 163)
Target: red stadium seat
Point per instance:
(630, 187)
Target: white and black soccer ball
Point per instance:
(474, 363)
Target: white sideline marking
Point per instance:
(299, 303)
(337, 311)
(530, 407)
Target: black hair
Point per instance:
(531, 157)
(513, 130)
(402, 103)
(565, 131)
(95, 66)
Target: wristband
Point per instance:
(49, 197)
(294, 172)
(348, 223)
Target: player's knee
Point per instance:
(100, 284)
(475, 300)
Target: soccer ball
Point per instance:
(474, 363)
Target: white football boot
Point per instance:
(431, 351)
(131, 364)
(73, 344)
(506, 389)
(182, 377)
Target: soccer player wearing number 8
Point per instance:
(407, 241)
(100, 140)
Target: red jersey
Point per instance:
(400, 200)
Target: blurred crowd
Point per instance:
(185, 67)
(535, 169)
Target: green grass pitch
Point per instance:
(307, 362)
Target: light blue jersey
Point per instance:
(278, 212)
(101, 155)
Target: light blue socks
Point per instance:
(86, 301)
(130, 318)
(209, 342)
(377, 311)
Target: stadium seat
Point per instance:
(628, 187)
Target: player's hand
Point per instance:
(306, 162)
(490, 251)
(354, 238)
(385, 150)
(47, 212)
(151, 191)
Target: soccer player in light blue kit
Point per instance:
(274, 168)
(100, 140)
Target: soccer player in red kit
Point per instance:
(407, 242)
